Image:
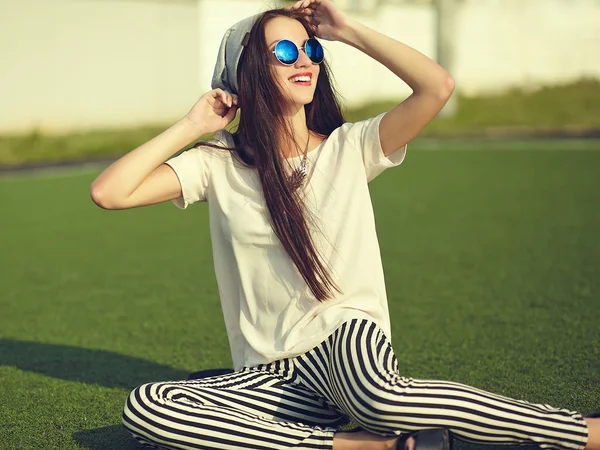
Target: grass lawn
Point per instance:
(491, 253)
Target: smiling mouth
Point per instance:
(302, 80)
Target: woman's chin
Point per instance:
(296, 103)
(304, 99)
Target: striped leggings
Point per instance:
(301, 402)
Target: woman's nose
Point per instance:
(303, 60)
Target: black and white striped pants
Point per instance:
(302, 401)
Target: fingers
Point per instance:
(297, 5)
(306, 4)
(310, 3)
(231, 114)
(232, 100)
(224, 97)
(229, 103)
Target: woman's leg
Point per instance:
(357, 370)
(593, 433)
(247, 409)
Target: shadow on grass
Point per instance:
(99, 367)
(111, 370)
(107, 438)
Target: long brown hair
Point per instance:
(262, 128)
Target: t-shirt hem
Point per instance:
(309, 344)
(395, 158)
(180, 202)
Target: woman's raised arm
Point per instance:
(140, 178)
(431, 84)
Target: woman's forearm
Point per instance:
(421, 73)
(126, 174)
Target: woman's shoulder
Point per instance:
(221, 151)
(357, 131)
(225, 139)
(221, 140)
(351, 131)
(220, 145)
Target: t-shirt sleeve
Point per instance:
(192, 167)
(364, 136)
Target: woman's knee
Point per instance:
(137, 405)
(152, 405)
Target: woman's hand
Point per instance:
(326, 20)
(213, 111)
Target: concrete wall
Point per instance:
(526, 43)
(76, 64)
(70, 64)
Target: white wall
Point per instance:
(361, 79)
(74, 64)
(499, 44)
(216, 19)
(69, 64)
(526, 43)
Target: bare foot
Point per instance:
(363, 440)
(593, 434)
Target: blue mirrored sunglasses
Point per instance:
(287, 53)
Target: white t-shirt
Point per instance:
(269, 311)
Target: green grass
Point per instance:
(574, 106)
(37, 148)
(571, 107)
(492, 261)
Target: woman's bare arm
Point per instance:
(140, 177)
(431, 84)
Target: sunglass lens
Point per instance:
(314, 50)
(286, 52)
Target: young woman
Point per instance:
(297, 259)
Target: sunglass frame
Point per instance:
(303, 48)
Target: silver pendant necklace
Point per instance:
(299, 174)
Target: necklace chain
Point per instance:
(299, 174)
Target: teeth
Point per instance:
(301, 78)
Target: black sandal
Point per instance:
(433, 439)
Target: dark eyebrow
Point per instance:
(271, 45)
